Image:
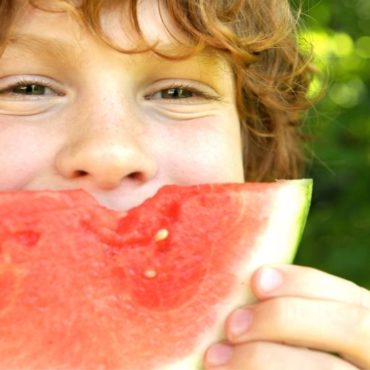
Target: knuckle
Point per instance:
(359, 326)
(360, 319)
(281, 311)
(364, 297)
(339, 364)
(258, 355)
(364, 324)
(360, 295)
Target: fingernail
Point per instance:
(240, 322)
(270, 279)
(218, 354)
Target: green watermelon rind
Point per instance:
(299, 191)
(307, 187)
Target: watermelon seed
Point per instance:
(150, 273)
(161, 235)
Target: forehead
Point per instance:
(155, 23)
(60, 35)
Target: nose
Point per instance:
(105, 158)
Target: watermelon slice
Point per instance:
(85, 287)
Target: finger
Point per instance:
(323, 325)
(306, 282)
(272, 356)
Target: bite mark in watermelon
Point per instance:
(84, 287)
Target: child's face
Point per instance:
(117, 125)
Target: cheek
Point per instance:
(22, 156)
(205, 150)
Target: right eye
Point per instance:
(28, 88)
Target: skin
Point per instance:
(109, 125)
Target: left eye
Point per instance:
(180, 93)
(176, 93)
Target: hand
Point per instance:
(305, 319)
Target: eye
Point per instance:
(28, 88)
(176, 93)
(181, 92)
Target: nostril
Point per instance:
(136, 176)
(79, 173)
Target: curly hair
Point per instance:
(259, 38)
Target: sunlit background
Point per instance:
(337, 237)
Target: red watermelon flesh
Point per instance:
(84, 287)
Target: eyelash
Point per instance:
(181, 86)
(27, 83)
(197, 92)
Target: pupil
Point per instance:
(177, 93)
(30, 89)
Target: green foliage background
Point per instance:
(337, 235)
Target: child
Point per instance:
(122, 97)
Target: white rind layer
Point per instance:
(277, 245)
